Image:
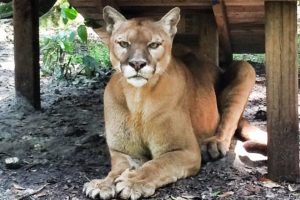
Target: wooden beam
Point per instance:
(208, 42)
(244, 3)
(222, 25)
(91, 10)
(26, 47)
(185, 3)
(282, 90)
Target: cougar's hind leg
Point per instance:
(237, 82)
(255, 138)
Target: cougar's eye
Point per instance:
(124, 44)
(154, 45)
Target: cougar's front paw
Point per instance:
(99, 188)
(131, 185)
(214, 148)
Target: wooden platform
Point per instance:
(213, 27)
(219, 28)
(245, 19)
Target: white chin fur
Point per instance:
(137, 82)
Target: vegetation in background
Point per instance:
(65, 56)
(6, 10)
(259, 58)
(68, 53)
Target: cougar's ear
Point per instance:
(112, 18)
(170, 21)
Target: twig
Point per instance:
(33, 192)
(84, 175)
(4, 153)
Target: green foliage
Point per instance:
(68, 13)
(55, 51)
(64, 56)
(82, 33)
(6, 10)
(69, 53)
(61, 16)
(259, 58)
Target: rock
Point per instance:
(74, 131)
(261, 115)
(12, 163)
(56, 91)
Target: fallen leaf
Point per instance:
(18, 187)
(215, 194)
(269, 183)
(270, 195)
(189, 197)
(177, 198)
(293, 189)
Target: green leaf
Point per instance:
(69, 13)
(65, 20)
(72, 36)
(82, 33)
(90, 62)
(68, 46)
(62, 45)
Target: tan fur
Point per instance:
(157, 122)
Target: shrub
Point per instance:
(66, 53)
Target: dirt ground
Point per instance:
(63, 146)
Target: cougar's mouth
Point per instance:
(137, 77)
(137, 80)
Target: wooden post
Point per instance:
(282, 90)
(26, 41)
(208, 45)
(220, 14)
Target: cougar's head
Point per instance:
(139, 48)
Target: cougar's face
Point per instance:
(139, 50)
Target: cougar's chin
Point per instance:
(137, 81)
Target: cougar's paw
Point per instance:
(99, 188)
(214, 148)
(129, 186)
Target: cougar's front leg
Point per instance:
(239, 79)
(167, 168)
(105, 188)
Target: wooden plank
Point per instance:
(282, 0)
(248, 26)
(244, 3)
(190, 3)
(26, 47)
(246, 16)
(92, 9)
(222, 26)
(282, 90)
(84, 3)
(249, 8)
(93, 3)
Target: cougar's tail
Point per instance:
(255, 138)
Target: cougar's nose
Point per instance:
(137, 64)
